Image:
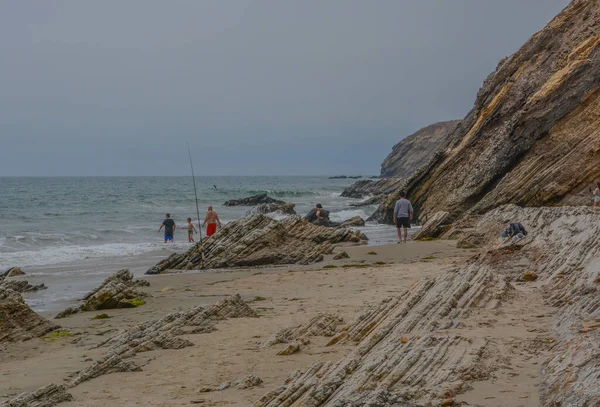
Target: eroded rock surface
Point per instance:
(117, 291)
(417, 149)
(18, 322)
(46, 396)
(379, 188)
(353, 222)
(253, 200)
(163, 333)
(433, 227)
(532, 138)
(404, 351)
(320, 325)
(259, 240)
(280, 208)
(22, 286)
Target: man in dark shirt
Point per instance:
(169, 225)
(318, 215)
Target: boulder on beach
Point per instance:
(253, 201)
(258, 240)
(117, 291)
(18, 322)
(282, 209)
(13, 272)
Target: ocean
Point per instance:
(64, 220)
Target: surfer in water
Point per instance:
(212, 219)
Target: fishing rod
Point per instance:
(197, 207)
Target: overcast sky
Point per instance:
(256, 87)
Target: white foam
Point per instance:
(69, 254)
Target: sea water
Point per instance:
(64, 220)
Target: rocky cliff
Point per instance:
(533, 136)
(417, 149)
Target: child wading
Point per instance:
(191, 229)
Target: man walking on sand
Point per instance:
(212, 219)
(169, 225)
(403, 214)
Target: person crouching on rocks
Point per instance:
(403, 214)
(318, 216)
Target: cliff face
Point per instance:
(533, 137)
(417, 149)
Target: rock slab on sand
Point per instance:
(18, 322)
(259, 240)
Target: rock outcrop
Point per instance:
(46, 396)
(163, 333)
(417, 348)
(366, 187)
(259, 240)
(281, 209)
(18, 322)
(417, 149)
(253, 201)
(433, 227)
(118, 291)
(12, 272)
(532, 138)
(22, 286)
(353, 222)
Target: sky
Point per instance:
(256, 87)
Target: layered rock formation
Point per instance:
(417, 348)
(18, 322)
(282, 209)
(163, 333)
(253, 200)
(259, 240)
(533, 137)
(117, 291)
(22, 286)
(417, 149)
(367, 187)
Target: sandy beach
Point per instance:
(282, 297)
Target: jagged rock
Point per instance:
(13, 272)
(22, 286)
(160, 333)
(282, 209)
(433, 227)
(320, 325)
(400, 350)
(241, 384)
(247, 382)
(417, 149)
(341, 255)
(354, 221)
(367, 187)
(46, 396)
(259, 240)
(18, 322)
(253, 200)
(532, 137)
(290, 349)
(117, 291)
(374, 200)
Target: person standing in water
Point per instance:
(403, 214)
(169, 225)
(597, 195)
(212, 219)
(191, 229)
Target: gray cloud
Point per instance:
(256, 87)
